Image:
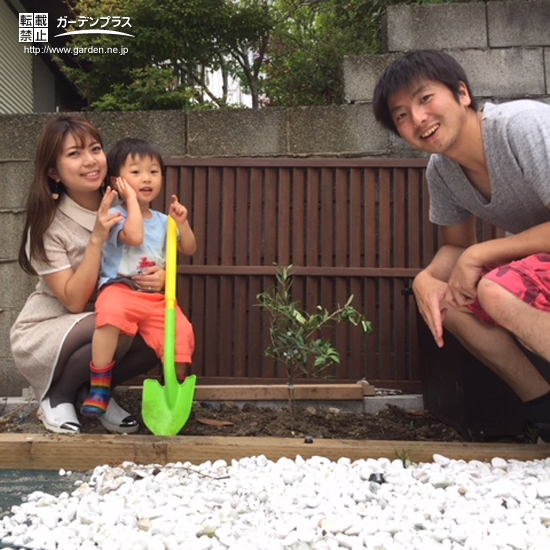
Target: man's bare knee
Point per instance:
(488, 294)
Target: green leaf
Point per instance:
(298, 316)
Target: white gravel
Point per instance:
(258, 504)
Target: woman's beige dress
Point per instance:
(43, 324)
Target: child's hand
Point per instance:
(178, 211)
(187, 243)
(106, 219)
(125, 190)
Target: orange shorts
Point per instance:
(132, 312)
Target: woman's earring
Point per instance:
(56, 190)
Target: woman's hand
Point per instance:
(152, 279)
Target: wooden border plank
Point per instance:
(84, 452)
(279, 392)
(261, 392)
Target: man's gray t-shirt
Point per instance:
(516, 136)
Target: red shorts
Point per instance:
(527, 279)
(132, 312)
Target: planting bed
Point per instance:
(322, 480)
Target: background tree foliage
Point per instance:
(175, 42)
(309, 43)
(283, 52)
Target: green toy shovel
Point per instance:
(166, 409)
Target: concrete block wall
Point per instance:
(504, 46)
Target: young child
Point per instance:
(135, 244)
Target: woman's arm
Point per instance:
(74, 288)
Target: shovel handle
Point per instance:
(170, 315)
(171, 263)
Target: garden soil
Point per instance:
(249, 420)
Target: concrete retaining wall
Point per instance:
(504, 47)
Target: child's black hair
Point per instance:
(412, 67)
(133, 147)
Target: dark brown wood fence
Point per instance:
(348, 226)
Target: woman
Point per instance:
(68, 219)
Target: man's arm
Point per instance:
(464, 279)
(430, 285)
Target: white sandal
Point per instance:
(117, 420)
(61, 419)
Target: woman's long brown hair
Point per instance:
(41, 206)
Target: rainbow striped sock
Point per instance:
(100, 391)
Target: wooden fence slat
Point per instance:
(371, 220)
(399, 259)
(284, 219)
(213, 242)
(212, 320)
(414, 178)
(242, 230)
(271, 207)
(385, 319)
(225, 329)
(342, 333)
(256, 345)
(261, 216)
(312, 218)
(327, 229)
(355, 217)
(384, 218)
(357, 356)
(414, 218)
(228, 216)
(240, 362)
(370, 286)
(399, 219)
(298, 244)
(199, 178)
(341, 218)
(428, 234)
(371, 345)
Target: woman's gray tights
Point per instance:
(72, 371)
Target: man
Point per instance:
(493, 164)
